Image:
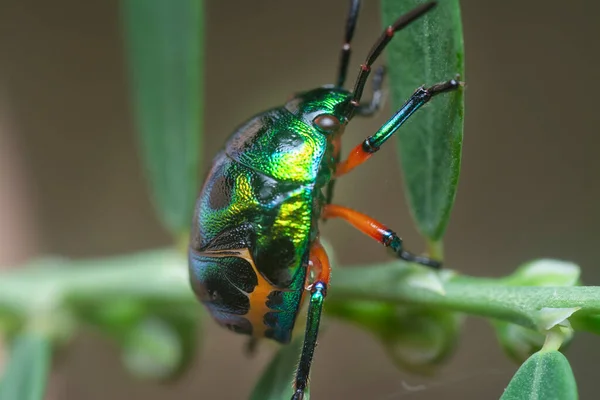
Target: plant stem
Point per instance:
(554, 339)
(161, 276)
(158, 274)
(435, 249)
(477, 296)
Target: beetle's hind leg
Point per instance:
(318, 290)
(377, 231)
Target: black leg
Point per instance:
(322, 269)
(310, 339)
(380, 44)
(369, 109)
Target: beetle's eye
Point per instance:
(327, 122)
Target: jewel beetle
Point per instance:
(255, 254)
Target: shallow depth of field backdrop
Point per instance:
(71, 181)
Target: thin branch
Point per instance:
(161, 276)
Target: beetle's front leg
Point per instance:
(366, 149)
(319, 262)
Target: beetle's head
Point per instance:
(324, 108)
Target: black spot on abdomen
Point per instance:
(222, 283)
(273, 259)
(275, 299)
(220, 192)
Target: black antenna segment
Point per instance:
(348, 34)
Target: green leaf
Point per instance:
(28, 368)
(518, 343)
(549, 317)
(586, 322)
(544, 376)
(165, 53)
(428, 51)
(545, 272)
(152, 349)
(276, 381)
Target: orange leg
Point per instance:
(377, 231)
(357, 156)
(319, 263)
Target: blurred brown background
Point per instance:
(71, 182)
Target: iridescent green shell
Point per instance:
(257, 216)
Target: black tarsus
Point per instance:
(426, 261)
(348, 34)
(393, 241)
(447, 86)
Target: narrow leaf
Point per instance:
(28, 368)
(518, 343)
(428, 51)
(544, 376)
(586, 322)
(545, 272)
(165, 54)
(276, 381)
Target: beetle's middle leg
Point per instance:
(370, 145)
(377, 231)
(319, 262)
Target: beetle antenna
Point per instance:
(346, 50)
(378, 47)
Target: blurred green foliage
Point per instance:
(165, 51)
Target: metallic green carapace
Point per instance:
(264, 194)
